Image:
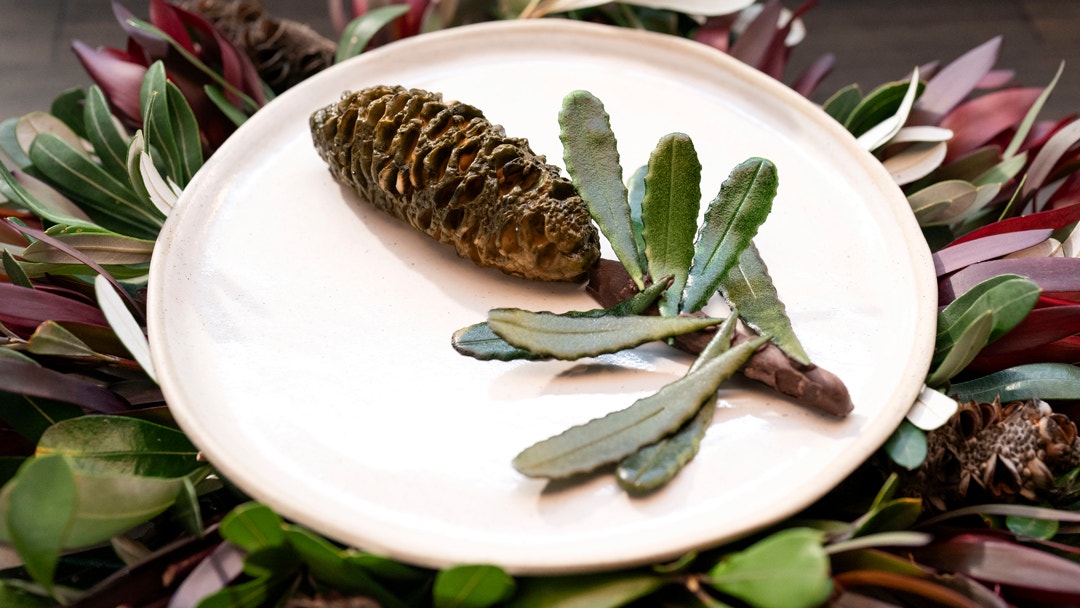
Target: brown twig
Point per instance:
(810, 385)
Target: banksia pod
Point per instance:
(284, 52)
(451, 174)
(989, 452)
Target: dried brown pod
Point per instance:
(995, 452)
(284, 52)
(453, 175)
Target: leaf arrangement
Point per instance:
(106, 502)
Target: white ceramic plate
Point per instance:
(303, 339)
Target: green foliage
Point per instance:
(907, 446)
(358, 33)
(795, 556)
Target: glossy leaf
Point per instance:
(591, 156)
(102, 247)
(471, 587)
(1041, 326)
(615, 436)
(121, 445)
(606, 590)
(39, 508)
(480, 342)
(1054, 219)
(573, 337)
(958, 256)
(1033, 381)
(253, 526)
(110, 143)
(731, 222)
(907, 446)
(359, 31)
(1029, 527)
(964, 345)
(102, 507)
(32, 416)
(748, 287)
(669, 214)
(794, 556)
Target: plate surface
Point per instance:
(303, 339)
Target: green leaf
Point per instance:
(748, 287)
(617, 435)
(253, 526)
(121, 445)
(731, 221)
(16, 275)
(124, 325)
(14, 595)
(50, 338)
(608, 590)
(591, 156)
(356, 35)
(9, 144)
(261, 591)
(102, 247)
(843, 103)
(1007, 298)
(654, 465)
(157, 128)
(31, 416)
(68, 107)
(112, 204)
(960, 354)
(1025, 125)
(328, 563)
(24, 199)
(570, 337)
(40, 510)
(236, 116)
(185, 133)
(105, 504)
(896, 514)
(788, 569)
(880, 134)
(635, 194)
(471, 586)
(669, 213)
(1048, 381)
(31, 125)
(878, 105)
(136, 147)
(907, 446)
(1030, 527)
(110, 143)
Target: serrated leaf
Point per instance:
(731, 222)
(358, 33)
(102, 247)
(972, 337)
(788, 569)
(121, 445)
(571, 337)
(669, 213)
(591, 156)
(748, 287)
(110, 143)
(907, 446)
(472, 586)
(1032, 381)
(603, 440)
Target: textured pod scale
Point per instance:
(451, 174)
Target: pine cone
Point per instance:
(451, 174)
(989, 452)
(284, 52)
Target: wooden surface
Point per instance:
(874, 41)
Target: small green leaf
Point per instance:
(356, 35)
(1030, 527)
(617, 435)
(109, 141)
(879, 105)
(788, 569)
(1006, 298)
(253, 526)
(329, 564)
(907, 446)
(16, 274)
(50, 338)
(571, 337)
(68, 107)
(157, 128)
(14, 594)
(843, 103)
(121, 445)
(476, 586)
(591, 156)
(186, 135)
(893, 515)
(731, 221)
(607, 590)
(1048, 381)
(41, 505)
(669, 213)
(748, 286)
(960, 354)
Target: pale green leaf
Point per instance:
(972, 338)
(33, 124)
(669, 214)
(253, 526)
(731, 222)
(358, 33)
(1025, 125)
(1008, 298)
(1031, 381)
(907, 446)
(50, 338)
(102, 247)
(788, 569)
(39, 505)
(186, 135)
(591, 156)
(472, 586)
(122, 322)
(110, 142)
(27, 201)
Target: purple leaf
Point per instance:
(753, 46)
(1048, 157)
(151, 46)
(995, 79)
(1027, 573)
(980, 120)
(118, 74)
(31, 380)
(956, 257)
(1050, 274)
(717, 32)
(236, 68)
(1054, 219)
(164, 17)
(212, 574)
(956, 81)
(808, 82)
(1041, 326)
(27, 308)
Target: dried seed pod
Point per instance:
(451, 174)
